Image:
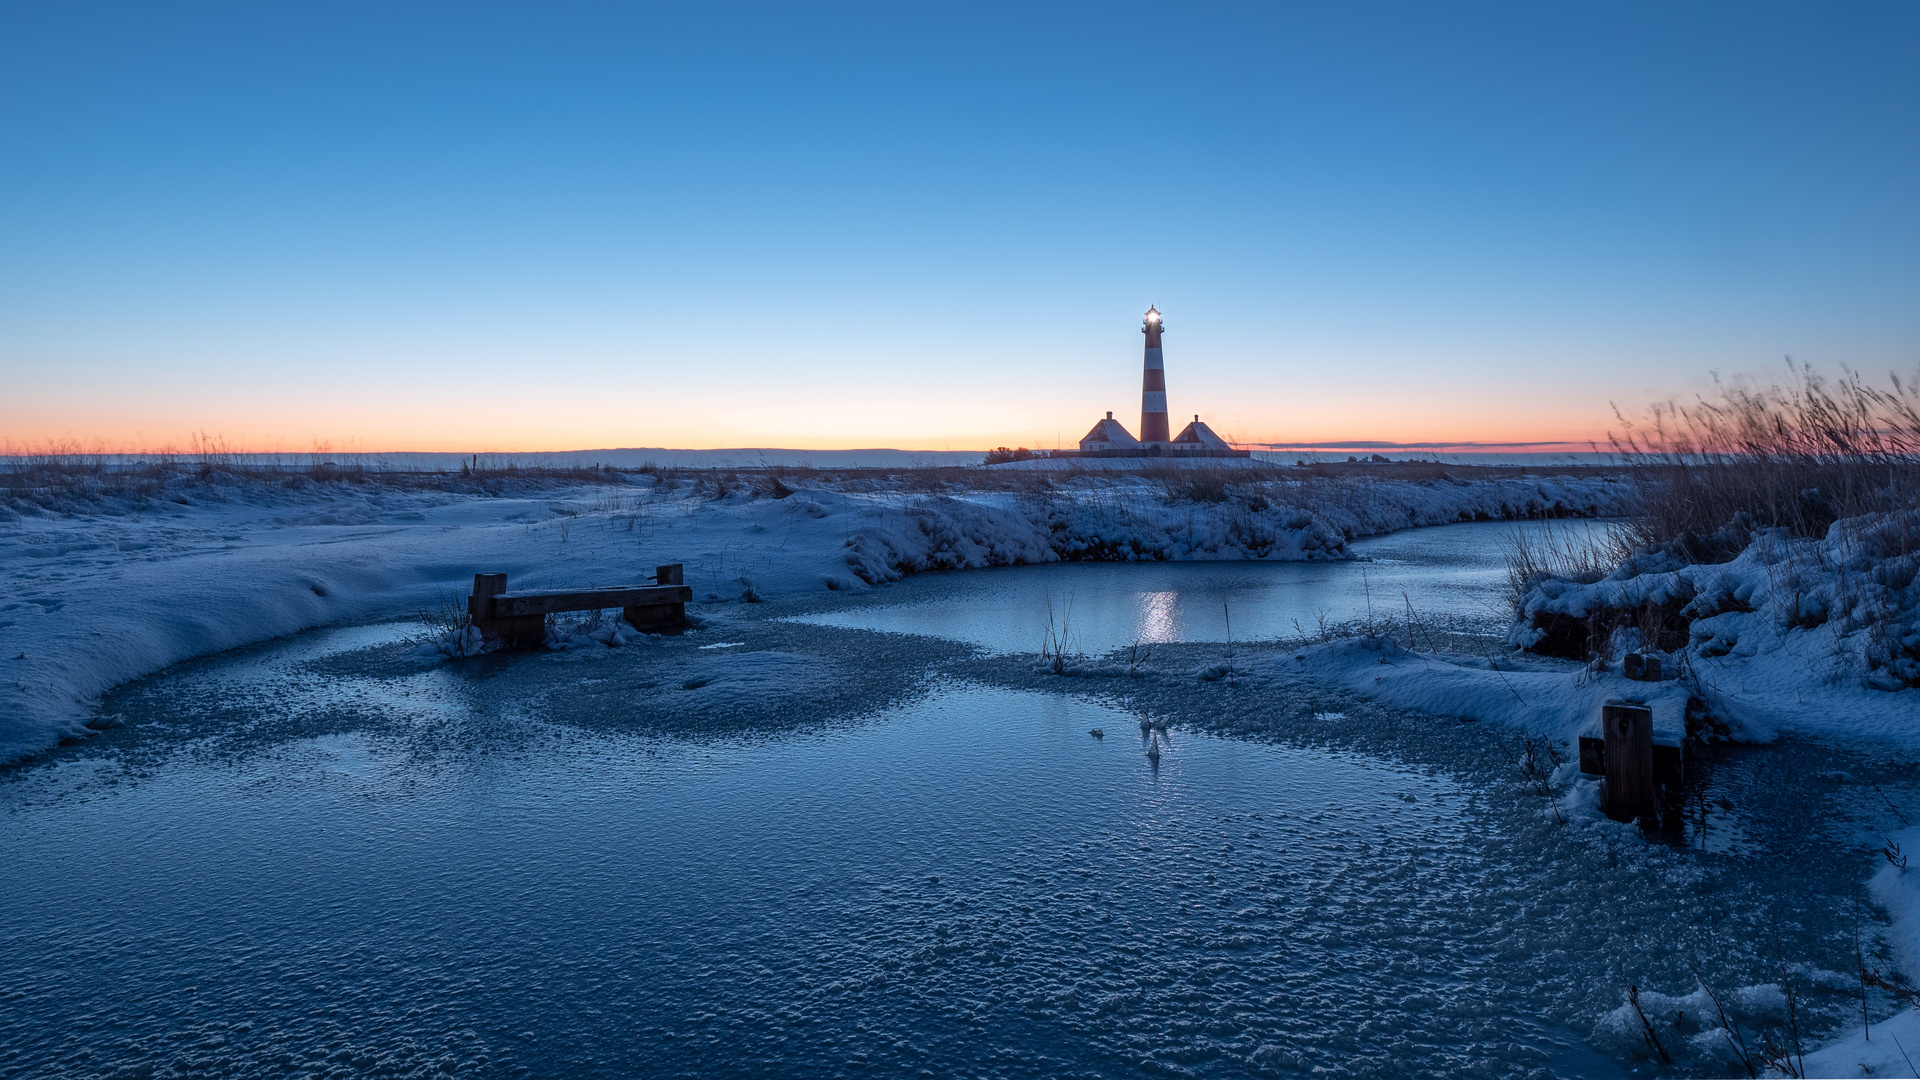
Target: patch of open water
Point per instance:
(1453, 576)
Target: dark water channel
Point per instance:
(779, 848)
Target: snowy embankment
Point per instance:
(1792, 636)
(108, 592)
(1129, 518)
(1557, 704)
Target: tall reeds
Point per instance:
(1575, 552)
(1799, 455)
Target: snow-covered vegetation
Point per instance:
(1846, 605)
(1773, 542)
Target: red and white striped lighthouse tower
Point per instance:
(1153, 386)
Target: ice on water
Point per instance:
(325, 853)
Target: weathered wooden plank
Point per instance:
(520, 618)
(656, 617)
(1627, 727)
(509, 604)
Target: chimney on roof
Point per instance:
(1109, 414)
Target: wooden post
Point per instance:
(1641, 668)
(1627, 727)
(512, 629)
(657, 618)
(485, 588)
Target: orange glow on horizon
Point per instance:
(462, 435)
(1040, 406)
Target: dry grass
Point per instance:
(68, 476)
(1546, 551)
(1797, 455)
(447, 628)
(1710, 477)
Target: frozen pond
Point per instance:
(1454, 577)
(821, 851)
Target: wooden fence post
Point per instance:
(656, 617)
(485, 588)
(512, 629)
(1627, 727)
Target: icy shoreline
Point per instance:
(118, 590)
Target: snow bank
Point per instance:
(1897, 888)
(1814, 636)
(1895, 1041)
(1749, 702)
(1126, 518)
(1857, 589)
(1560, 705)
(90, 602)
(92, 599)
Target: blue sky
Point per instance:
(552, 226)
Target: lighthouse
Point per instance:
(1110, 438)
(1153, 386)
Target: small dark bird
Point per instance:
(1098, 733)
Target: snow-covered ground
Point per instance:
(1812, 638)
(115, 588)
